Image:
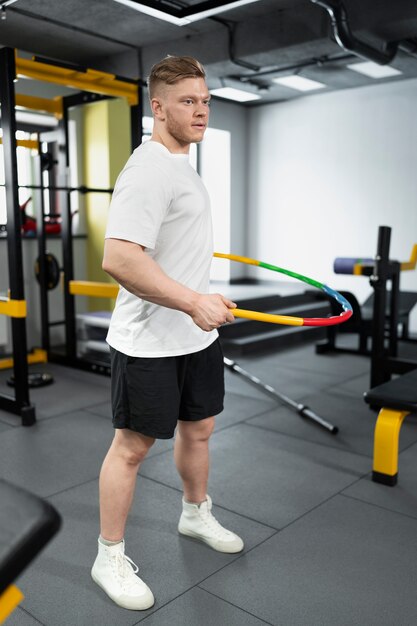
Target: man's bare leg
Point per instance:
(118, 479)
(112, 570)
(191, 455)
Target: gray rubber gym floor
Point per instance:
(324, 544)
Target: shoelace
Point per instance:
(126, 570)
(215, 526)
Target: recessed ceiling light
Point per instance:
(185, 15)
(369, 68)
(234, 94)
(299, 82)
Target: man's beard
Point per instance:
(181, 135)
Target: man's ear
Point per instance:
(157, 109)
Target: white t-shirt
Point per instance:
(160, 202)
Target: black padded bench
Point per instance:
(27, 523)
(398, 398)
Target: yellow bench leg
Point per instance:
(386, 439)
(9, 600)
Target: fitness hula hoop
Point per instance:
(287, 319)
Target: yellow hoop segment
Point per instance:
(268, 317)
(255, 315)
(290, 320)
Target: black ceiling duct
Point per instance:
(345, 39)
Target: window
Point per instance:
(25, 176)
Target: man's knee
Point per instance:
(131, 446)
(197, 431)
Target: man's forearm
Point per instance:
(142, 276)
(127, 263)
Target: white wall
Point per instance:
(325, 171)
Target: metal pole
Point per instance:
(301, 409)
(67, 244)
(136, 115)
(378, 281)
(41, 236)
(394, 308)
(14, 237)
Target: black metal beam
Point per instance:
(81, 189)
(379, 282)
(41, 237)
(84, 97)
(136, 124)
(66, 227)
(21, 404)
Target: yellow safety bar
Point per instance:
(37, 356)
(94, 289)
(411, 264)
(12, 308)
(33, 144)
(9, 600)
(90, 80)
(41, 104)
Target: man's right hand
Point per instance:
(212, 310)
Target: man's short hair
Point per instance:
(173, 69)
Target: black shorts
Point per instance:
(149, 395)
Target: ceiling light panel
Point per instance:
(184, 15)
(238, 95)
(299, 83)
(369, 68)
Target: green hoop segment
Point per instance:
(287, 319)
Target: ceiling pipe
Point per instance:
(231, 30)
(345, 39)
(278, 69)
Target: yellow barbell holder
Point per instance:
(13, 308)
(32, 144)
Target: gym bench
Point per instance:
(27, 524)
(398, 398)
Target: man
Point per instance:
(167, 364)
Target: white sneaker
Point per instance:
(198, 522)
(115, 573)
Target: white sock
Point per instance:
(196, 503)
(106, 542)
